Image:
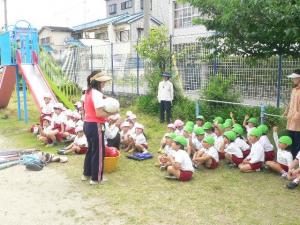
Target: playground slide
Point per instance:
(7, 84)
(37, 83)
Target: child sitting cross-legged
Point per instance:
(139, 140)
(284, 156)
(293, 173)
(79, 145)
(45, 131)
(181, 167)
(170, 129)
(232, 152)
(208, 155)
(265, 142)
(240, 141)
(253, 162)
(197, 139)
(168, 152)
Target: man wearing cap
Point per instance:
(165, 97)
(293, 113)
(95, 118)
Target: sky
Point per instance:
(64, 13)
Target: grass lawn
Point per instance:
(138, 193)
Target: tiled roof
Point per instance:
(62, 29)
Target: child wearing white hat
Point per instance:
(124, 134)
(45, 131)
(112, 131)
(47, 107)
(140, 142)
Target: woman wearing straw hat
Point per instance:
(95, 117)
(293, 113)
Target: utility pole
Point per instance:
(147, 15)
(5, 15)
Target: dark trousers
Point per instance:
(165, 106)
(94, 158)
(295, 135)
(115, 142)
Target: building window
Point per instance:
(123, 36)
(126, 5)
(45, 41)
(184, 15)
(142, 4)
(112, 9)
(102, 36)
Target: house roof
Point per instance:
(120, 19)
(53, 28)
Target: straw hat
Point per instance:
(101, 77)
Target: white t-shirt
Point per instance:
(81, 141)
(70, 124)
(212, 151)
(257, 153)
(298, 157)
(111, 131)
(79, 123)
(242, 144)
(169, 151)
(140, 139)
(97, 98)
(196, 143)
(265, 142)
(48, 129)
(284, 157)
(184, 159)
(233, 149)
(248, 129)
(219, 142)
(47, 109)
(58, 119)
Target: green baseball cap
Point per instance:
(218, 120)
(188, 129)
(207, 125)
(236, 125)
(209, 140)
(253, 120)
(200, 117)
(230, 135)
(181, 140)
(171, 135)
(238, 129)
(229, 121)
(255, 132)
(263, 128)
(227, 125)
(199, 131)
(189, 124)
(285, 140)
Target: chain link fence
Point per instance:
(259, 82)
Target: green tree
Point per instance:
(258, 28)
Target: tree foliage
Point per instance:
(258, 28)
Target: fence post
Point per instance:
(137, 71)
(279, 80)
(197, 108)
(171, 49)
(262, 113)
(92, 59)
(112, 68)
(215, 65)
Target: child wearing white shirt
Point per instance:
(165, 159)
(179, 127)
(181, 167)
(284, 157)
(294, 174)
(208, 155)
(140, 142)
(45, 131)
(240, 141)
(232, 152)
(265, 142)
(249, 124)
(47, 107)
(171, 129)
(69, 133)
(124, 134)
(79, 146)
(253, 162)
(112, 132)
(196, 144)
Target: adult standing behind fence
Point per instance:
(165, 97)
(293, 113)
(95, 117)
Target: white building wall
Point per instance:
(57, 38)
(119, 10)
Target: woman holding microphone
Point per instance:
(95, 117)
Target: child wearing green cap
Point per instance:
(197, 139)
(209, 130)
(199, 121)
(164, 160)
(249, 123)
(219, 130)
(181, 167)
(240, 141)
(208, 155)
(253, 162)
(284, 156)
(233, 153)
(265, 142)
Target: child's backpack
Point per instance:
(32, 162)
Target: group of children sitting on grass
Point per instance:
(188, 146)
(57, 124)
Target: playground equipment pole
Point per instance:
(25, 101)
(5, 15)
(18, 93)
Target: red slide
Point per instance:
(7, 84)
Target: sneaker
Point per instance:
(84, 178)
(292, 185)
(104, 179)
(284, 175)
(92, 182)
(171, 177)
(145, 151)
